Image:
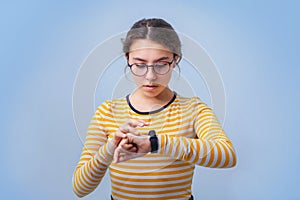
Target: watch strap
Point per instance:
(153, 141)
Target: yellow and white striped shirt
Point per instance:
(188, 134)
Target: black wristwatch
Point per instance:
(153, 141)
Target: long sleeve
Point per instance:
(97, 155)
(211, 148)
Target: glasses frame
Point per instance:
(168, 63)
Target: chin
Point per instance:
(153, 93)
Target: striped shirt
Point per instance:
(188, 134)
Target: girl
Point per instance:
(151, 139)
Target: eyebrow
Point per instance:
(143, 60)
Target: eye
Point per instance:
(161, 65)
(141, 66)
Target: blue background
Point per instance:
(254, 44)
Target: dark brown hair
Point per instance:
(157, 30)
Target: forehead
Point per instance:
(148, 49)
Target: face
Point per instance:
(145, 51)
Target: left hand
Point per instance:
(132, 146)
(128, 127)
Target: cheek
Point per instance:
(138, 80)
(166, 79)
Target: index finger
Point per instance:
(134, 123)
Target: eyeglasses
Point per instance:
(160, 68)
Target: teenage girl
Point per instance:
(151, 139)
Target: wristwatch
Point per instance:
(153, 141)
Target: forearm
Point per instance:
(217, 153)
(91, 169)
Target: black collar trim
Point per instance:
(154, 111)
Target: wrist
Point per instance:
(148, 144)
(111, 147)
(153, 141)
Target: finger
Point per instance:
(116, 155)
(131, 124)
(125, 128)
(133, 149)
(143, 123)
(118, 136)
(120, 152)
(125, 157)
(132, 130)
(129, 148)
(123, 142)
(125, 146)
(131, 138)
(134, 123)
(129, 129)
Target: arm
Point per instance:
(98, 151)
(212, 148)
(96, 156)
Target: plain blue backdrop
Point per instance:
(254, 44)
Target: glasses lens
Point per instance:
(139, 69)
(162, 68)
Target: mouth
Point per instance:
(150, 87)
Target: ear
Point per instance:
(177, 59)
(126, 55)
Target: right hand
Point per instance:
(128, 127)
(140, 146)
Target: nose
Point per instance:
(150, 75)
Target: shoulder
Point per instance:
(189, 100)
(108, 105)
(195, 103)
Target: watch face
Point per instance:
(153, 141)
(152, 133)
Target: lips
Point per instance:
(150, 87)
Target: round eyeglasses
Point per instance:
(160, 68)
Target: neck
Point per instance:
(143, 102)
